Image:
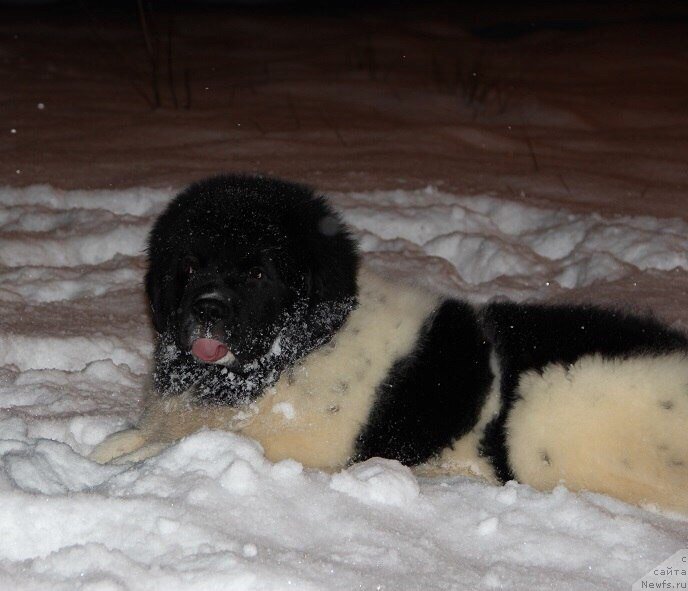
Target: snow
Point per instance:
(378, 480)
(286, 409)
(210, 512)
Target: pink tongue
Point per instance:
(209, 350)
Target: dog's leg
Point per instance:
(615, 426)
(164, 421)
(144, 452)
(117, 445)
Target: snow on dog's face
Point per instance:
(234, 299)
(246, 275)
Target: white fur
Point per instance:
(331, 390)
(613, 426)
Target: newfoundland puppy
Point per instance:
(268, 325)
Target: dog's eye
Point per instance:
(255, 273)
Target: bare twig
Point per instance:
(109, 49)
(152, 55)
(563, 182)
(187, 88)
(170, 69)
(532, 153)
(371, 58)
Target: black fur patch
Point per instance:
(434, 395)
(529, 337)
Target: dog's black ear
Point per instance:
(161, 275)
(154, 289)
(163, 252)
(331, 254)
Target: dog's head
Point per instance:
(247, 273)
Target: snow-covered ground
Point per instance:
(210, 512)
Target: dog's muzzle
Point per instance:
(210, 313)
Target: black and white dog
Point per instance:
(268, 326)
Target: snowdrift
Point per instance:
(211, 512)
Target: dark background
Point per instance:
(579, 103)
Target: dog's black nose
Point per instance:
(208, 309)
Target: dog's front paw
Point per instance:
(142, 453)
(118, 444)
